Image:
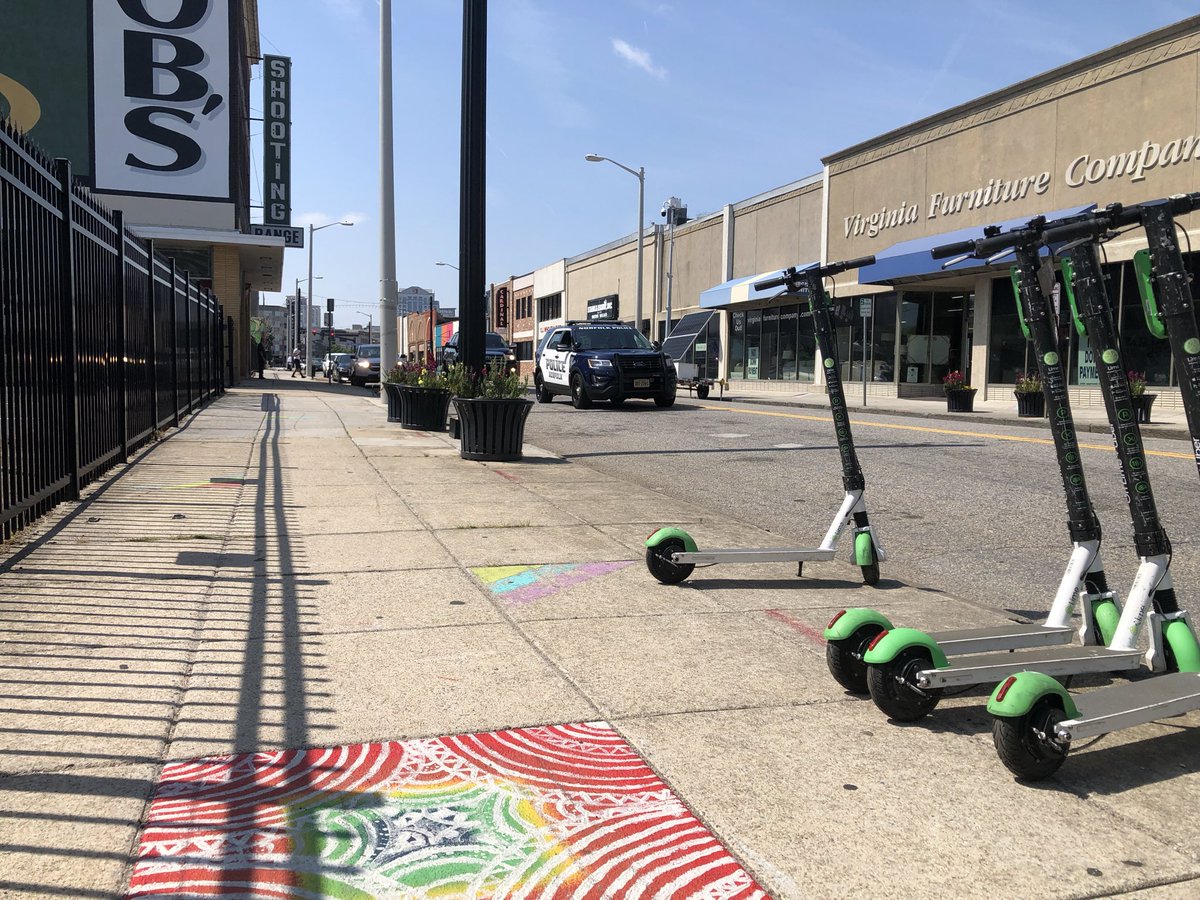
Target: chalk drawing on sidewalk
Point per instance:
(554, 811)
(524, 584)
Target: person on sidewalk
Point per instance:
(298, 365)
(260, 358)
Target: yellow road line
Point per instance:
(858, 423)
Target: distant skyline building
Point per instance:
(415, 299)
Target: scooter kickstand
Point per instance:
(800, 569)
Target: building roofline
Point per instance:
(1142, 42)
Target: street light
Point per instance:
(312, 230)
(640, 174)
(455, 268)
(294, 324)
(370, 322)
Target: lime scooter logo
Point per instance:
(1110, 357)
(829, 363)
(1051, 358)
(1192, 346)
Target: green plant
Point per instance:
(1029, 383)
(1137, 383)
(416, 374)
(955, 381)
(489, 384)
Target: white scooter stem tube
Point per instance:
(1151, 576)
(849, 503)
(1085, 558)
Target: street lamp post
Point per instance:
(312, 230)
(370, 323)
(640, 174)
(294, 337)
(676, 213)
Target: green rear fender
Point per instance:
(853, 619)
(894, 641)
(689, 543)
(1027, 689)
(1182, 641)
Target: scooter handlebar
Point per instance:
(792, 274)
(846, 265)
(958, 248)
(1073, 231)
(788, 275)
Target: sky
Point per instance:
(719, 101)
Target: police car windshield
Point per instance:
(615, 338)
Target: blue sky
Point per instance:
(718, 100)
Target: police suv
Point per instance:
(611, 361)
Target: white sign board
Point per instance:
(161, 94)
(864, 307)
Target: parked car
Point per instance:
(495, 350)
(366, 365)
(611, 361)
(337, 366)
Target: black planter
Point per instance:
(1141, 406)
(492, 430)
(418, 408)
(961, 400)
(1030, 405)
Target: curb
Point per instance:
(1158, 432)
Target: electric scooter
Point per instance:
(672, 554)
(855, 636)
(1035, 718)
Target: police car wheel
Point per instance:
(579, 394)
(540, 391)
(668, 400)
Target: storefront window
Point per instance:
(789, 324)
(883, 337)
(753, 333)
(737, 345)
(769, 344)
(1142, 351)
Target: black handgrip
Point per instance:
(1185, 203)
(847, 264)
(1072, 231)
(958, 248)
(788, 275)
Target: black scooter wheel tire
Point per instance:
(891, 686)
(844, 658)
(871, 574)
(1023, 753)
(658, 561)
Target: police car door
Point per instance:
(556, 363)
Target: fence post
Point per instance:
(174, 345)
(215, 327)
(152, 318)
(70, 372)
(187, 335)
(122, 336)
(228, 349)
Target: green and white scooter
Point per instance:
(1035, 718)
(672, 554)
(858, 634)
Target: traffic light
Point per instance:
(329, 304)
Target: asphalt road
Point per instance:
(971, 509)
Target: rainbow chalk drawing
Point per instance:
(524, 584)
(550, 812)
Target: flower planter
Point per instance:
(961, 400)
(1030, 405)
(492, 430)
(417, 408)
(1141, 406)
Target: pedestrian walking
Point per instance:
(297, 362)
(260, 358)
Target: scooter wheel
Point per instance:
(658, 561)
(1021, 743)
(871, 574)
(844, 658)
(894, 690)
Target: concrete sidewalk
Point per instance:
(1165, 421)
(289, 571)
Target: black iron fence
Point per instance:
(102, 341)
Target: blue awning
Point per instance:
(740, 290)
(912, 259)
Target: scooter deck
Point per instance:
(783, 554)
(1009, 636)
(990, 668)
(1122, 706)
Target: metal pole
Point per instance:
(387, 230)
(152, 318)
(640, 229)
(307, 370)
(68, 332)
(864, 364)
(122, 335)
(472, 181)
(670, 269)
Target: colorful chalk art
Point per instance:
(554, 811)
(517, 585)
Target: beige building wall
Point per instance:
(612, 270)
(227, 285)
(1115, 127)
(777, 232)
